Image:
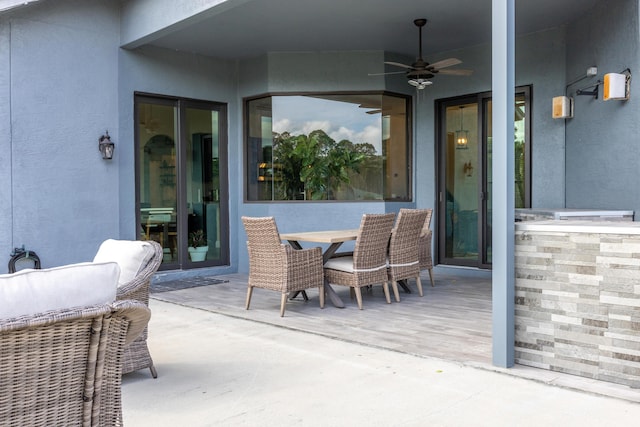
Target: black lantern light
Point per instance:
(106, 146)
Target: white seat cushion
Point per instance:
(32, 291)
(131, 255)
(343, 263)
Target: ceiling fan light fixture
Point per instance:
(420, 83)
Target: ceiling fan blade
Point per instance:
(385, 74)
(398, 64)
(456, 72)
(445, 63)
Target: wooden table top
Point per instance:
(327, 236)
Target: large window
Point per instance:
(328, 147)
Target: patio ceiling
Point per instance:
(239, 29)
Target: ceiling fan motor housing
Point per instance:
(419, 74)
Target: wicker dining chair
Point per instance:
(368, 263)
(277, 266)
(404, 261)
(424, 245)
(63, 367)
(137, 354)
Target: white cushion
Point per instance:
(35, 291)
(342, 263)
(345, 263)
(131, 255)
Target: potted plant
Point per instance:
(198, 246)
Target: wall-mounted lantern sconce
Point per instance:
(616, 85)
(468, 169)
(562, 107)
(106, 146)
(462, 135)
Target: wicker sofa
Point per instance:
(62, 342)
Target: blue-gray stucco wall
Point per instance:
(58, 77)
(602, 154)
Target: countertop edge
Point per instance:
(569, 226)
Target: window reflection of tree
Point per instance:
(315, 167)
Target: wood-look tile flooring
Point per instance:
(452, 321)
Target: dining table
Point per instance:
(335, 239)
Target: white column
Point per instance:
(503, 87)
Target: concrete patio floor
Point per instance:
(218, 368)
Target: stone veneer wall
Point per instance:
(577, 307)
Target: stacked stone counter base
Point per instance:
(578, 298)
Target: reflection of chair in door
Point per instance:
(160, 225)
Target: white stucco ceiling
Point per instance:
(250, 28)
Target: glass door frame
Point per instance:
(441, 176)
(182, 224)
(483, 227)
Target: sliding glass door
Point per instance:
(181, 180)
(464, 178)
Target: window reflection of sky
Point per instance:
(340, 120)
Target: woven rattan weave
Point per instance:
(277, 266)
(137, 354)
(64, 367)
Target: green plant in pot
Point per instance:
(198, 247)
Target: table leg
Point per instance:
(330, 251)
(403, 285)
(333, 296)
(328, 290)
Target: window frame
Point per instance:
(408, 99)
(181, 104)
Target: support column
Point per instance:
(502, 191)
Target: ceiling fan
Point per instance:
(419, 73)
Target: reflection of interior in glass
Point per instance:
(158, 190)
(203, 183)
(461, 183)
(519, 152)
(328, 147)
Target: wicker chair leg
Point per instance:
(321, 295)
(431, 277)
(249, 292)
(419, 283)
(305, 296)
(154, 373)
(396, 294)
(283, 302)
(358, 297)
(385, 288)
